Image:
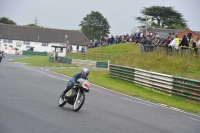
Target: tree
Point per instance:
(162, 17)
(94, 25)
(5, 20)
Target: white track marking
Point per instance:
(194, 119)
(136, 101)
(45, 74)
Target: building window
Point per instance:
(26, 42)
(7, 41)
(45, 44)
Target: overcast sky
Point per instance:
(67, 14)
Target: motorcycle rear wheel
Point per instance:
(61, 102)
(79, 102)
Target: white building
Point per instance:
(18, 38)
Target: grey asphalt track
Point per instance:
(28, 104)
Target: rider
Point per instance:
(83, 74)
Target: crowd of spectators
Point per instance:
(105, 41)
(152, 41)
(148, 43)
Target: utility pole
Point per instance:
(146, 24)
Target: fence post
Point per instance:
(108, 64)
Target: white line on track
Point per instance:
(194, 119)
(136, 101)
(45, 74)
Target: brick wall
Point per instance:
(186, 32)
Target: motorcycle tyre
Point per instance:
(82, 102)
(61, 105)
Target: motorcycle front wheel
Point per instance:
(61, 102)
(79, 102)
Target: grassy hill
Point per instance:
(127, 54)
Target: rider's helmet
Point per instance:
(85, 72)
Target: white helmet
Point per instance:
(85, 72)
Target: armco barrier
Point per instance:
(51, 59)
(34, 53)
(102, 64)
(153, 80)
(121, 72)
(65, 60)
(187, 88)
(182, 87)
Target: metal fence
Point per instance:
(90, 55)
(96, 55)
(176, 86)
(79, 62)
(181, 51)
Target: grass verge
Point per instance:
(41, 61)
(104, 80)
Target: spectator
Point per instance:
(83, 50)
(68, 48)
(71, 48)
(173, 44)
(96, 42)
(77, 47)
(198, 44)
(184, 43)
(162, 40)
(112, 39)
(142, 43)
(117, 39)
(106, 41)
(141, 34)
(167, 42)
(177, 40)
(194, 46)
(147, 43)
(156, 43)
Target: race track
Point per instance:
(28, 104)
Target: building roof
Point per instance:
(163, 30)
(38, 34)
(197, 32)
(175, 31)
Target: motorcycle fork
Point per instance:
(78, 94)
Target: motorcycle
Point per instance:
(76, 95)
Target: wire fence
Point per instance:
(89, 55)
(180, 51)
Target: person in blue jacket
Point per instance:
(1, 56)
(83, 74)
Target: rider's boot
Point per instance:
(65, 91)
